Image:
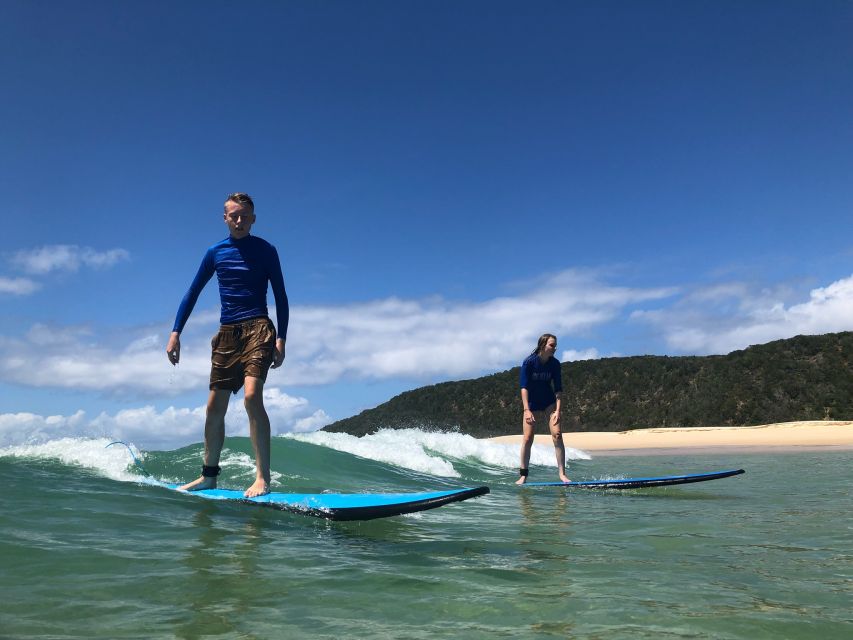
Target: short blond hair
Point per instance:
(243, 199)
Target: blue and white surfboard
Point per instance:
(639, 483)
(332, 506)
(344, 506)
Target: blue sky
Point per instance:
(444, 182)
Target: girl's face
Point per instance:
(550, 347)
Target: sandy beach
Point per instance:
(815, 435)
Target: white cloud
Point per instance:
(18, 286)
(18, 428)
(42, 335)
(428, 339)
(128, 361)
(66, 257)
(388, 339)
(573, 355)
(724, 318)
(170, 428)
(435, 337)
(382, 339)
(315, 421)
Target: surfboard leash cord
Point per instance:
(132, 455)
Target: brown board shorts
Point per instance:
(240, 350)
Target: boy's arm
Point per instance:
(282, 306)
(202, 277)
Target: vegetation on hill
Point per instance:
(800, 378)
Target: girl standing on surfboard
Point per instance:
(541, 385)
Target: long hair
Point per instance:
(543, 340)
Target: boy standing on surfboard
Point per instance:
(246, 346)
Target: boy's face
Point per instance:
(239, 219)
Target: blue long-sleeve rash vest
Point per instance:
(542, 381)
(243, 267)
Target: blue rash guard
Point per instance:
(243, 268)
(537, 378)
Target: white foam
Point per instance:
(230, 460)
(115, 462)
(92, 453)
(431, 451)
(422, 451)
(383, 446)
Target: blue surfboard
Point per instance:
(640, 483)
(344, 506)
(332, 506)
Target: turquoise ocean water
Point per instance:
(87, 550)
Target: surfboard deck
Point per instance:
(639, 483)
(344, 506)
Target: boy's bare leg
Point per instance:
(214, 437)
(259, 430)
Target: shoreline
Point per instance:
(811, 435)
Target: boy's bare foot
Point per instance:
(202, 483)
(564, 478)
(259, 488)
(521, 480)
